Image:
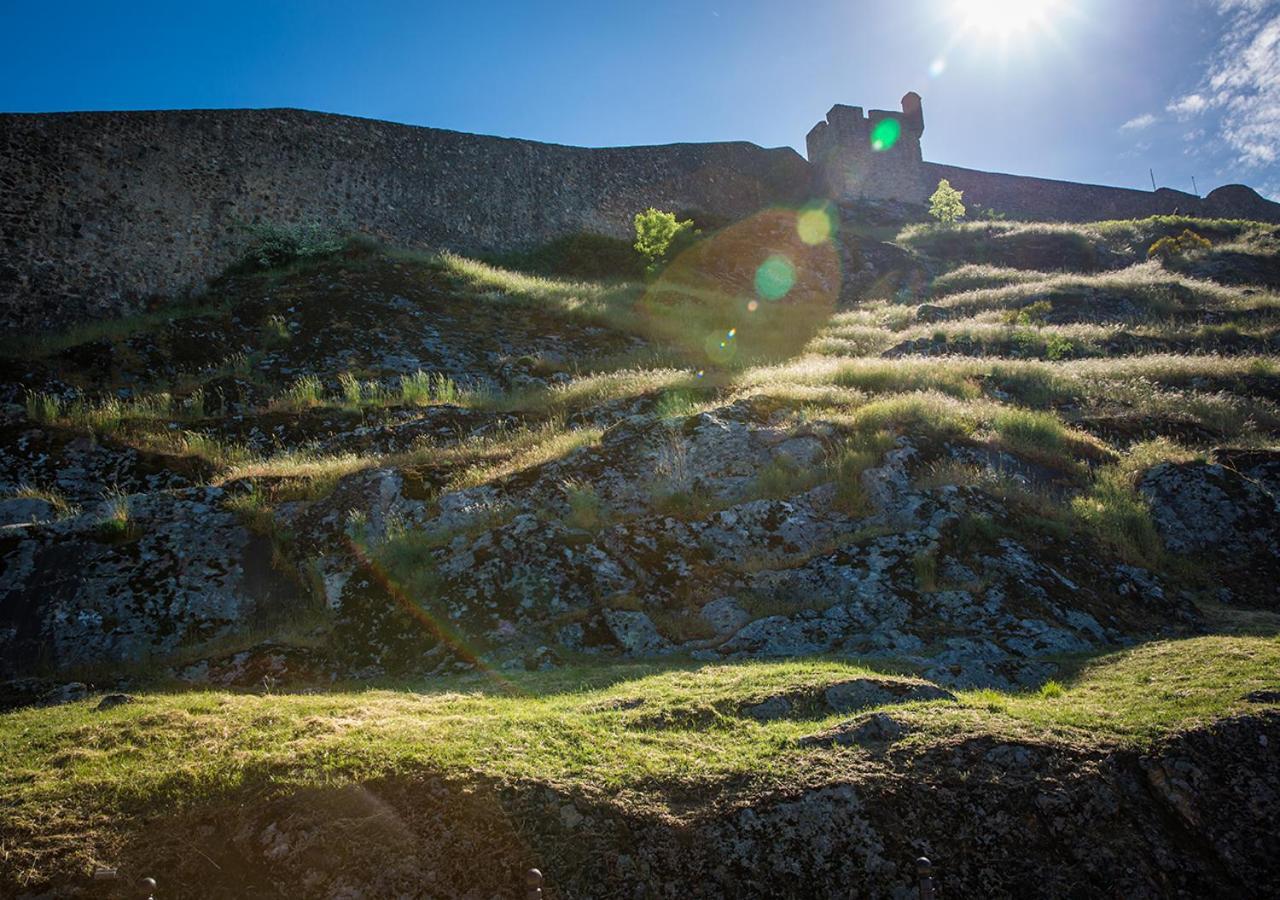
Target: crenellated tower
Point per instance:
(873, 156)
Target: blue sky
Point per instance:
(1091, 90)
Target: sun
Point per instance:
(1006, 18)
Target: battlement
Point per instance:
(870, 156)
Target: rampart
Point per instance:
(1021, 197)
(100, 212)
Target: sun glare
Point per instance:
(1006, 18)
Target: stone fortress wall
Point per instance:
(101, 212)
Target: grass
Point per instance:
(586, 511)
(507, 455)
(78, 777)
(76, 780)
(848, 462)
(117, 521)
(424, 389)
(109, 413)
(1117, 514)
(610, 304)
(62, 508)
(1153, 290)
(418, 389)
(977, 276)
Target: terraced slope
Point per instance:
(968, 460)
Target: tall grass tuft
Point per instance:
(424, 389)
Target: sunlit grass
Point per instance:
(610, 304)
(681, 726)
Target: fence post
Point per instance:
(533, 885)
(924, 869)
(147, 889)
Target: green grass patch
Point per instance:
(649, 735)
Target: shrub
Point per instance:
(782, 478)
(976, 532)
(659, 235)
(1057, 346)
(945, 205)
(1031, 314)
(1170, 249)
(272, 246)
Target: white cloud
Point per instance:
(1241, 84)
(1190, 105)
(1137, 123)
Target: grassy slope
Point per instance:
(80, 779)
(74, 777)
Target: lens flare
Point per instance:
(885, 134)
(815, 224)
(719, 350)
(937, 67)
(774, 277)
(753, 305)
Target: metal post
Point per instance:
(533, 885)
(924, 869)
(147, 889)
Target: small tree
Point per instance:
(656, 231)
(945, 205)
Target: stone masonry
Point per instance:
(105, 213)
(874, 156)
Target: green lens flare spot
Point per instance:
(816, 224)
(775, 277)
(885, 134)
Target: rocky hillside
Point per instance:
(973, 455)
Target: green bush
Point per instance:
(271, 246)
(1057, 346)
(1169, 248)
(1031, 314)
(660, 236)
(945, 205)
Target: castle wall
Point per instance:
(100, 211)
(1021, 197)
